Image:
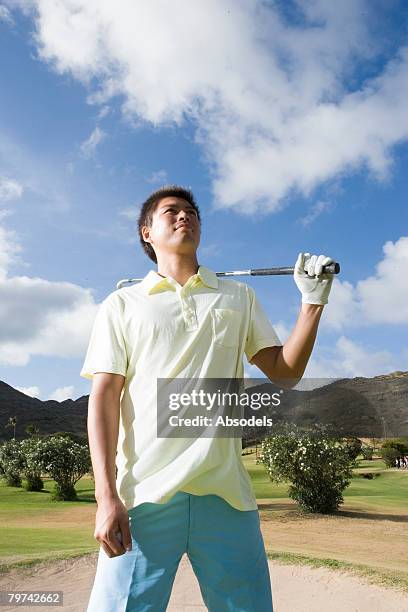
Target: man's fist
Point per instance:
(312, 283)
(112, 528)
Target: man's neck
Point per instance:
(181, 268)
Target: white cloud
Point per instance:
(342, 307)
(60, 394)
(31, 391)
(349, 359)
(131, 212)
(315, 212)
(5, 15)
(10, 189)
(160, 176)
(38, 317)
(384, 297)
(9, 251)
(346, 359)
(105, 110)
(41, 177)
(63, 393)
(5, 212)
(378, 299)
(88, 147)
(269, 98)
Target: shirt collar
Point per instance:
(154, 283)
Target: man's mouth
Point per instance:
(182, 225)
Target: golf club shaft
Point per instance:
(333, 268)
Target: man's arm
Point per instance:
(282, 363)
(103, 429)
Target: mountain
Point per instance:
(49, 416)
(364, 407)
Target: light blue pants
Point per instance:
(224, 545)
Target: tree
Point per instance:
(353, 446)
(318, 466)
(367, 452)
(391, 449)
(32, 430)
(31, 452)
(66, 462)
(12, 462)
(12, 422)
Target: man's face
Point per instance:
(175, 227)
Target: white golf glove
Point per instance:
(313, 285)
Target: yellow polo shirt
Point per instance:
(160, 329)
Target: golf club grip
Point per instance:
(333, 268)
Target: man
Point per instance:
(181, 495)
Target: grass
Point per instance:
(366, 536)
(35, 528)
(389, 490)
(396, 580)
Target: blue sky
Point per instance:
(288, 121)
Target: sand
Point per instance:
(295, 588)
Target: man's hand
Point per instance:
(112, 527)
(313, 285)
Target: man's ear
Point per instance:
(146, 233)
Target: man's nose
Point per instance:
(183, 216)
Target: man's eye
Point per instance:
(190, 211)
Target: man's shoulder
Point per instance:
(231, 285)
(119, 297)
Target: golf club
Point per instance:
(333, 268)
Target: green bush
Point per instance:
(353, 446)
(31, 451)
(66, 462)
(367, 452)
(389, 455)
(318, 467)
(33, 482)
(398, 444)
(12, 462)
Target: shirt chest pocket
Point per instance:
(225, 324)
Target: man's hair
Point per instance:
(150, 205)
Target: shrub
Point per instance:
(353, 446)
(389, 455)
(399, 445)
(367, 452)
(12, 462)
(317, 466)
(66, 462)
(31, 451)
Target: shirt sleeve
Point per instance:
(107, 348)
(261, 332)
